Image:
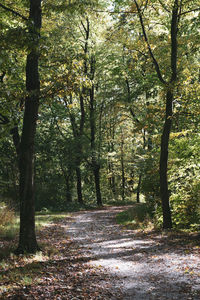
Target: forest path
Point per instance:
(146, 266)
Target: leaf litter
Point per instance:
(91, 257)
(60, 273)
(147, 265)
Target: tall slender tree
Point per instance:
(169, 88)
(92, 111)
(27, 236)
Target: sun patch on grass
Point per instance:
(136, 217)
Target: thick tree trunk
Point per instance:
(164, 192)
(79, 185)
(27, 236)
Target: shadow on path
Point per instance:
(150, 266)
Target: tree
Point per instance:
(108, 91)
(27, 236)
(92, 111)
(176, 13)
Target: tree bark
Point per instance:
(138, 188)
(169, 85)
(110, 163)
(68, 190)
(16, 139)
(95, 159)
(122, 170)
(27, 236)
(164, 191)
(77, 133)
(112, 179)
(97, 184)
(79, 185)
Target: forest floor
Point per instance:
(92, 257)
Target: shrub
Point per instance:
(8, 224)
(7, 215)
(136, 216)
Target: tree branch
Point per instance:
(113, 12)
(174, 46)
(84, 26)
(189, 11)
(164, 6)
(3, 119)
(13, 12)
(148, 45)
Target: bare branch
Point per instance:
(148, 45)
(113, 12)
(13, 12)
(84, 26)
(164, 6)
(189, 11)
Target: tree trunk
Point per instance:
(122, 171)
(68, 190)
(27, 236)
(78, 132)
(164, 192)
(79, 185)
(138, 188)
(16, 139)
(111, 178)
(95, 159)
(97, 184)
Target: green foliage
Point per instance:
(6, 215)
(129, 108)
(45, 217)
(8, 222)
(135, 217)
(185, 181)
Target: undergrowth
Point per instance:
(139, 216)
(135, 217)
(9, 221)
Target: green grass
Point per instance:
(9, 223)
(10, 230)
(24, 271)
(42, 220)
(135, 217)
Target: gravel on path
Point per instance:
(146, 266)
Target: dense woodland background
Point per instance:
(115, 79)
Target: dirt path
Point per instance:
(146, 266)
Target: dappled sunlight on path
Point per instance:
(147, 266)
